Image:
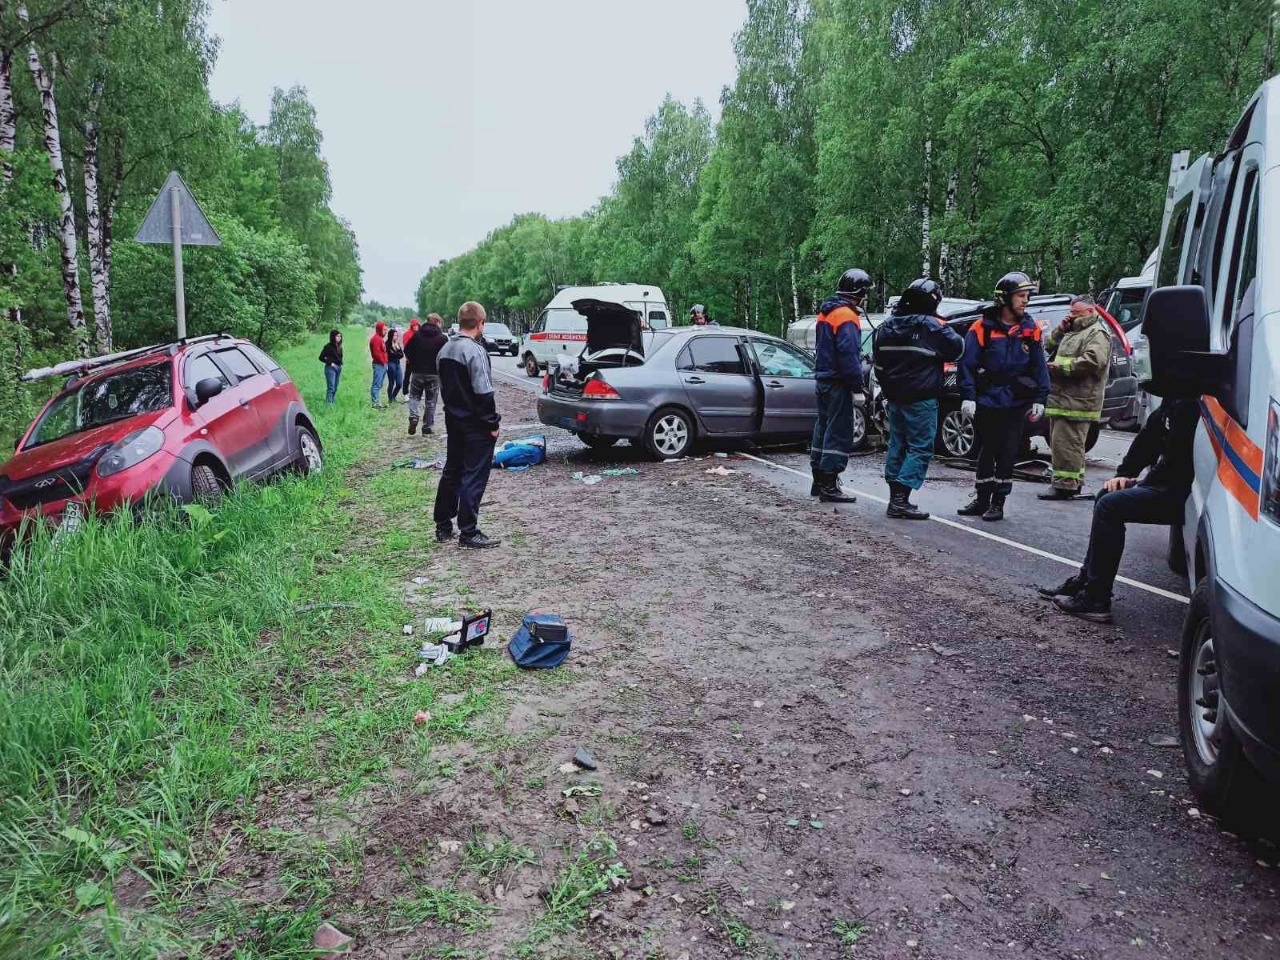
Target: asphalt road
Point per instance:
(1013, 551)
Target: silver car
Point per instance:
(667, 388)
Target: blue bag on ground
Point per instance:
(525, 452)
(541, 642)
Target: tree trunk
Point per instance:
(944, 251)
(53, 147)
(94, 226)
(795, 291)
(925, 203)
(1269, 52)
(8, 144)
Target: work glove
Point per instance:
(969, 408)
(1037, 411)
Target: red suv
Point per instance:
(186, 420)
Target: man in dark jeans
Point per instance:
(471, 419)
(421, 353)
(1165, 445)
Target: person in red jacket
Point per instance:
(378, 353)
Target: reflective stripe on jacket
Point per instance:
(1082, 356)
(909, 353)
(1003, 367)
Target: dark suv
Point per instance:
(185, 420)
(955, 430)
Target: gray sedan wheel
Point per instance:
(859, 439)
(669, 434)
(955, 434)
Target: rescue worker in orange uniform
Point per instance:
(838, 372)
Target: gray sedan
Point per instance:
(666, 388)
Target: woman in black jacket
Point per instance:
(331, 357)
(395, 370)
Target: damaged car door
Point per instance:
(721, 389)
(790, 401)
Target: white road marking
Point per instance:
(1035, 551)
(528, 383)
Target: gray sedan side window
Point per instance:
(712, 355)
(779, 359)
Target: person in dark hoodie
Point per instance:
(1165, 445)
(420, 353)
(331, 357)
(395, 368)
(1004, 381)
(838, 372)
(910, 349)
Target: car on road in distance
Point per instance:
(666, 389)
(185, 420)
(560, 330)
(499, 339)
(955, 430)
(1212, 329)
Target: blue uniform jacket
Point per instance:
(1003, 367)
(839, 345)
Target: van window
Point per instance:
(712, 355)
(564, 320)
(1244, 259)
(1171, 255)
(658, 320)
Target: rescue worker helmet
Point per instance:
(922, 297)
(1011, 283)
(697, 310)
(855, 283)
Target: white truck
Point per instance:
(1212, 328)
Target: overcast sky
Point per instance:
(444, 119)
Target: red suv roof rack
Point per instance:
(74, 367)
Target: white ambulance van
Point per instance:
(1212, 326)
(560, 329)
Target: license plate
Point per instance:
(569, 423)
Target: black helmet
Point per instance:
(854, 283)
(922, 297)
(1012, 283)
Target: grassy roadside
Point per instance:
(163, 684)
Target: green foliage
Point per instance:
(962, 138)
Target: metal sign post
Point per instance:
(179, 221)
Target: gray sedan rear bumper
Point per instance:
(604, 418)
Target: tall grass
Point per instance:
(144, 668)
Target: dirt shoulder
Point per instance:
(811, 742)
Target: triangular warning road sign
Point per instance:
(196, 230)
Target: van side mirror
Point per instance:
(207, 389)
(1176, 326)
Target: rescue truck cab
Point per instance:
(1212, 326)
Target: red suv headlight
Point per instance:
(131, 450)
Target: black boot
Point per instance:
(1057, 493)
(829, 490)
(816, 488)
(413, 426)
(977, 506)
(900, 505)
(996, 510)
(1068, 588)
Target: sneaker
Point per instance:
(1085, 607)
(1068, 588)
(478, 541)
(413, 426)
(444, 534)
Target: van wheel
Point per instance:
(205, 487)
(668, 434)
(530, 365)
(310, 460)
(1220, 775)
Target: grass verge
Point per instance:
(159, 678)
